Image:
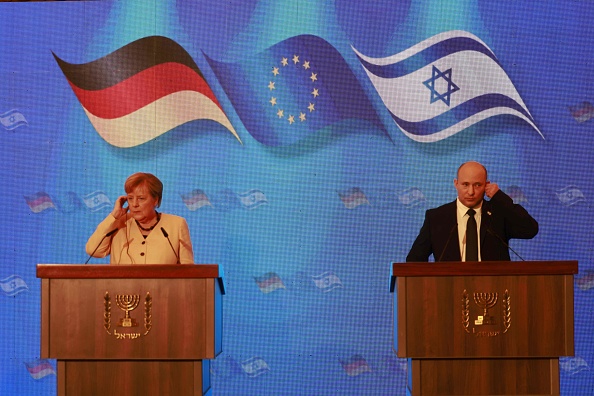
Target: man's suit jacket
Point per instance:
(501, 220)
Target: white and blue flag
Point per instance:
(444, 85)
(13, 285)
(252, 199)
(96, 201)
(12, 119)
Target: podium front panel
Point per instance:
(484, 316)
(104, 319)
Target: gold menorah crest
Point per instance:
(486, 301)
(127, 303)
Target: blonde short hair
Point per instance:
(152, 183)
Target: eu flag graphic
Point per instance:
(293, 89)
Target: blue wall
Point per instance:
(305, 217)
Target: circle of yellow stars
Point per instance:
(303, 114)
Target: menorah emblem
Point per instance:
(485, 301)
(127, 303)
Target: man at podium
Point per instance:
(471, 228)
(135, 233)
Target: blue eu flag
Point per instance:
(292, 90)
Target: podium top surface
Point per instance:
(482, 268)
(76, 271)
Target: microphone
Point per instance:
(454, 228)
(166, 235)
(110, 233)
(490, 231)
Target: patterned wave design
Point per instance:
(444, 85)
(474, 110)
(426, 52)
(142, 91)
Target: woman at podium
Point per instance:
(136, 233)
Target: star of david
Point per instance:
(436, 75)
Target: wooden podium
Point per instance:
(484, 328)
(131, 329)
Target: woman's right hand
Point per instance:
(118, 208)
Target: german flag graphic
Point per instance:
(142, 91)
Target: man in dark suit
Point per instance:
(443, 233)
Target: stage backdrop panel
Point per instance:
(303, 142)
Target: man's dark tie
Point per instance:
(471, 237)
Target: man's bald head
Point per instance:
(472, 163)
(470, 183)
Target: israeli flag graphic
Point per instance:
(96, 201)
(255, 366)
(13, 285)
(444, 85)
(252, 199)
(12, 119)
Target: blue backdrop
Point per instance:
(302, 141)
